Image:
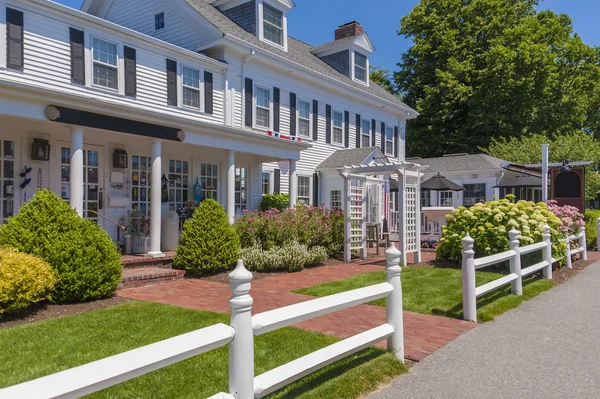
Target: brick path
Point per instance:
(423, 333)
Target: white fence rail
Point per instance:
(515, 278)
(243, 384)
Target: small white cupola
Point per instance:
(267, 19)
(349, 52)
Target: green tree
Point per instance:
(480, 69)
(576, 146)
(382, 78)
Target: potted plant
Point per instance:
(137, 229)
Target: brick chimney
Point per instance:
(348, 30)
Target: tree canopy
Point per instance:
(577, 146)
(382, 78)
(483, 69)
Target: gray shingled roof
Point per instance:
(298, 51)
(336, 42)
(354, 156)
(459, 163)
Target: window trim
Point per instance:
(309, 119)
(333, 127)
(440, 198)
(354, 65)
(118, 65)
(472, 184)
(200, 88)
(255, 106)
(262, 182)
(298, 196)
(260, 24)
(362, 132)
(389, 128)
(164, 21)
(341, 200)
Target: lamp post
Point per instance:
(545, 172)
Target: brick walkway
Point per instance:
(423, 333)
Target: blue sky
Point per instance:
(381, 20)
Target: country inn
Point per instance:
(100, 104)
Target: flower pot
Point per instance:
(140, 245)
(127, 249)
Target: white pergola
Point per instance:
(355, 213)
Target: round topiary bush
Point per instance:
(82, 255)
(208, 242)
(24, 280)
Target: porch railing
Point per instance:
(243, 384)
(120, 227)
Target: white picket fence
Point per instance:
(471, 292)
(239, 335)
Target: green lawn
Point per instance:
(45, 347)
(438, 291)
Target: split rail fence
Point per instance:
(470, 290)
(239, 335)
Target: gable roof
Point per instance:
(298, 52)
(459, 163)
(347, 157)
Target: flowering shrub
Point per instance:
(136, 223)
(308, 225)
(291, 257)
(275, 200)
(570, 217)
(489, 223)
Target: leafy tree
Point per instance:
(382, 78)
(576, 146)
(480, 69)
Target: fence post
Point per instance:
(568, 257)
(547, 253)
(393, 303)
(515, 262)
(241, 349)
(583, 243)
(468, 280)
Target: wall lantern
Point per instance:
(40, 150)
(120, 158)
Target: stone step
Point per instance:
(145, 276)
(142, 261)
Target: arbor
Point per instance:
(483, 69)
(576, 146)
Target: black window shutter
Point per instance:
(77, 38)
(357, 131)
(293, 114)
(373, 133)
(172, 82)
(276, 108)
(396, 142)
(315, 120)
(277, 181)
(14, 39)
(328, 124)
(208, 92)
(248, 88)
(315, 189)
(383, 137)
(347, 128)
(130, 56)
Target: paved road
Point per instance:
(547, 348)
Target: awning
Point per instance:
(519, 181)
(440, 183)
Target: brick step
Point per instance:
(144, 261)
(145, 276)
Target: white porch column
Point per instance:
(418, 221)
(293, 188)
(76, 171)
(402, 216)
(348, 222)
(230, 186)
(155, 200)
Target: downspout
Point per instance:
(243, 85)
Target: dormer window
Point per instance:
(360, 67)
(272, 24)
(159, 21)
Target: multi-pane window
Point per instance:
(336, 199)
(178, 183)
(303, 118)
(190, 79)
(159, 21)
(266, 183)
(241, 190)
(7, 154)
(360, 67)
(473, 193)
(105, 63)
(389, 140)
(446, 198)
(365, 137)
(425, 198)
(140, 183)
(272, 24)
(338, 127)
(304, 189)
(209, 181)
(263, 107)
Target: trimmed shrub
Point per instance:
(291, 257)
(489, 224)
(591, 232)
(208, 242)
(24, 280)
(82, 255)
(275, 201)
